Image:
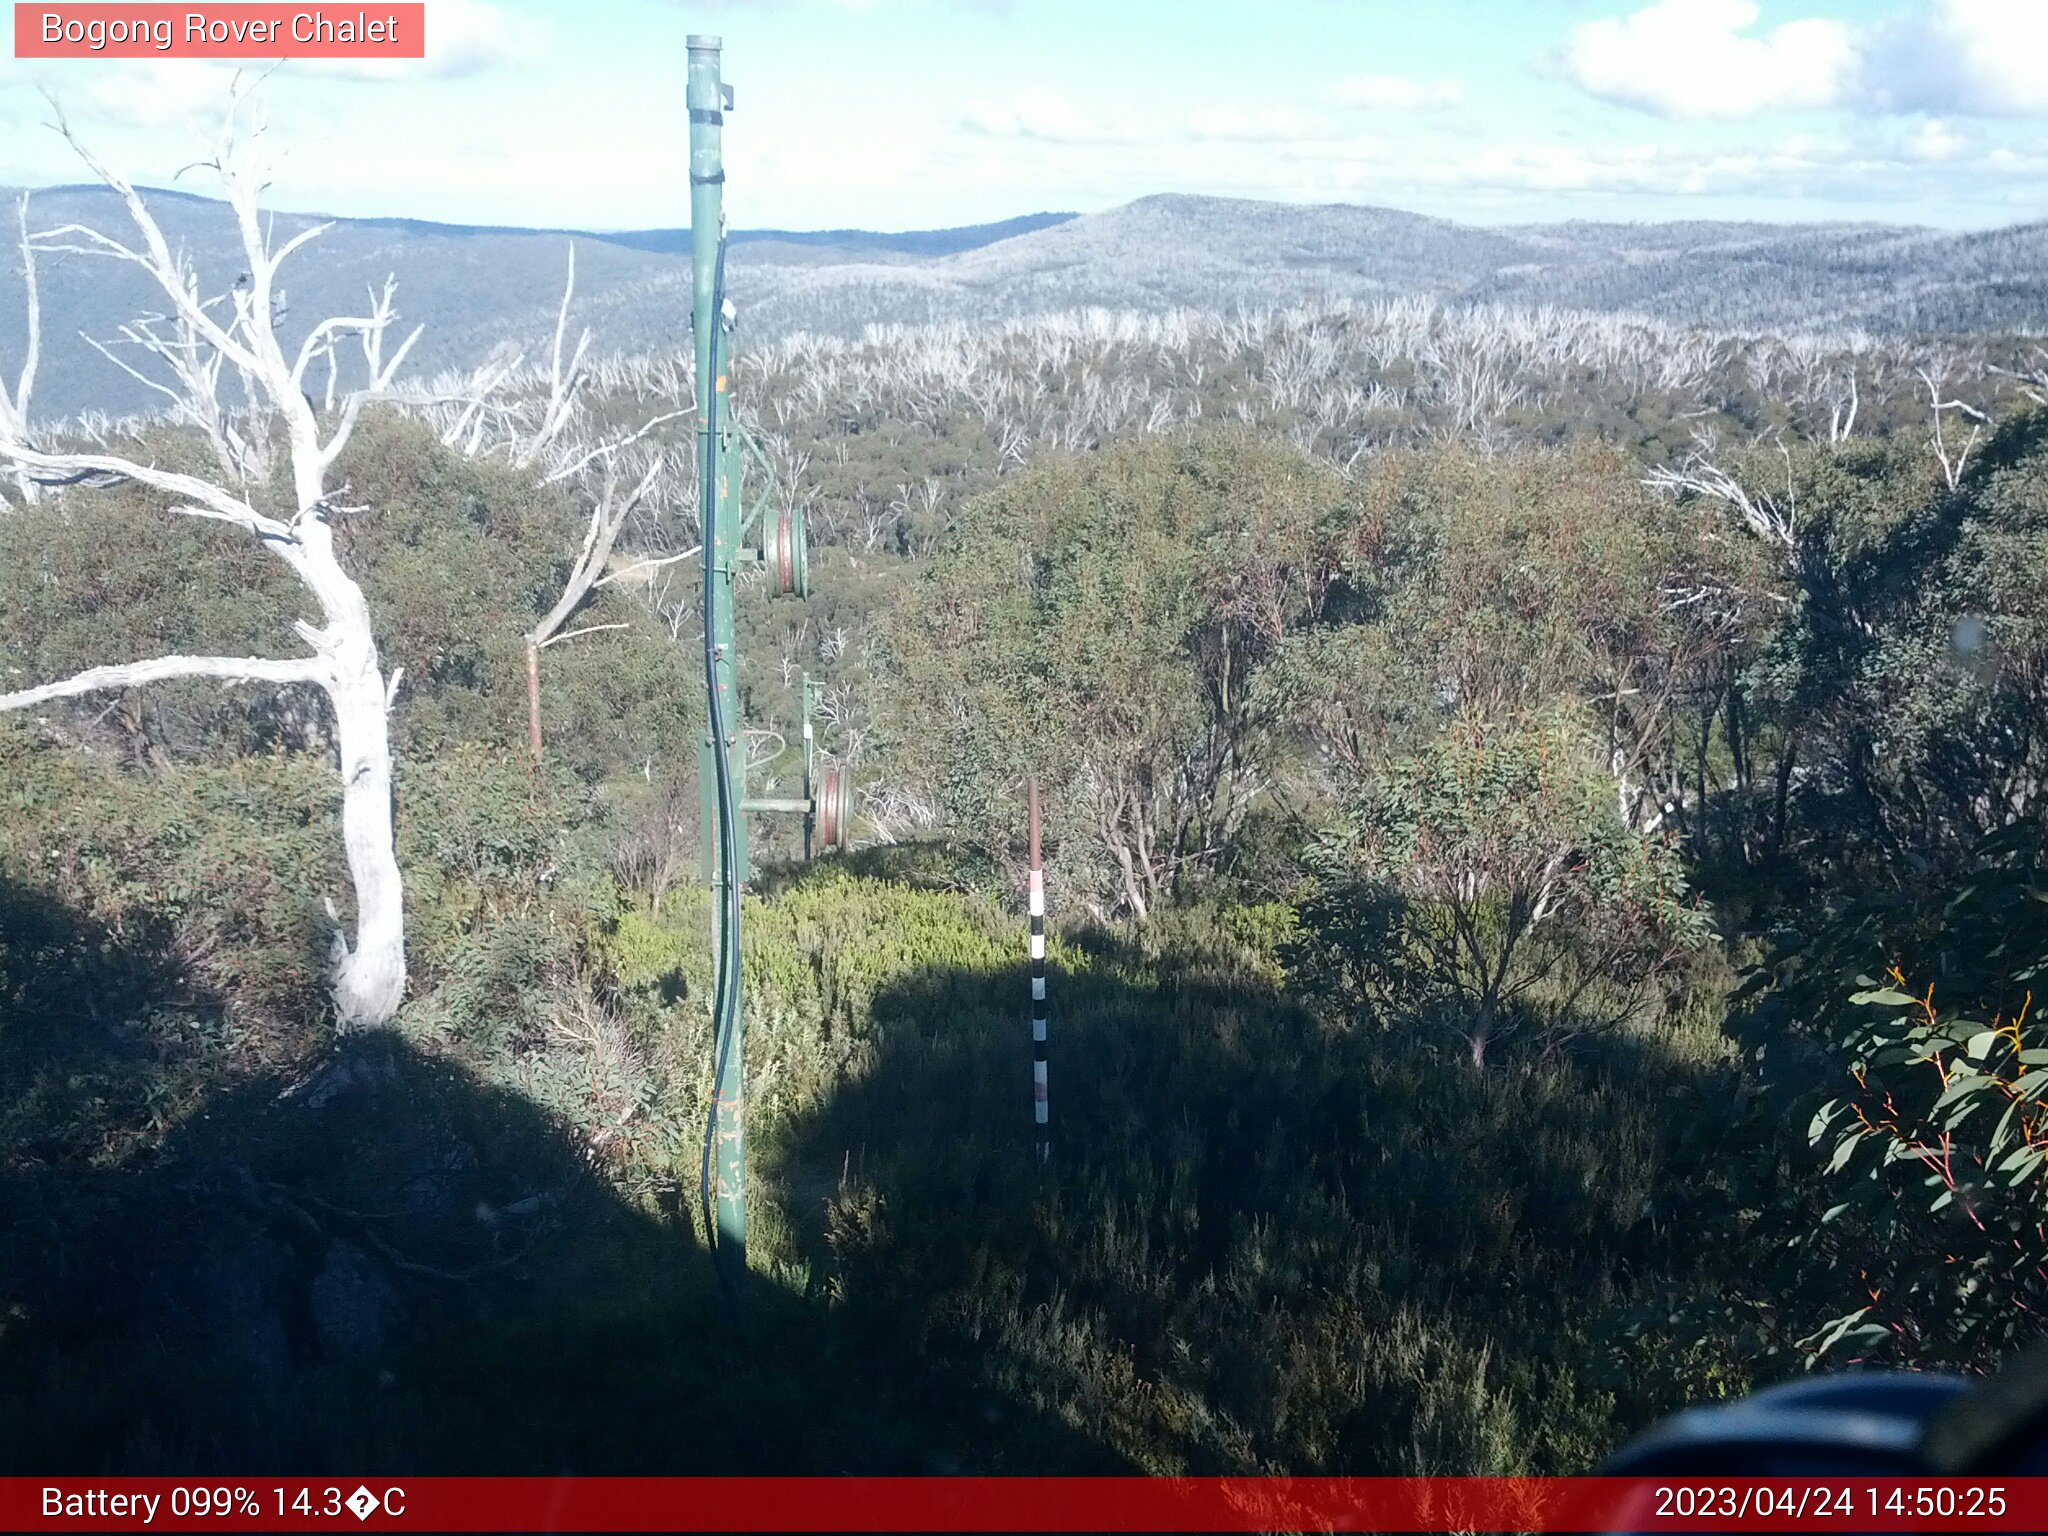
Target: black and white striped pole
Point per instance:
(1041, 1102)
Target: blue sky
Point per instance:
(917, 113)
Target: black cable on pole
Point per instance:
(725, 991)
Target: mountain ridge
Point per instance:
(477, 286)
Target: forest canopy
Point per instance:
(1544, 863)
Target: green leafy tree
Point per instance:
(1101, 621)
(1497, 726)
(1885, 698)
(1487, 882)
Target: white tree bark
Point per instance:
(14, 403)
(234, 669)
(1953, 460)
(1771, 517)
(368, 976)
(613, 504)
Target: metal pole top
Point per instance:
(704, 42)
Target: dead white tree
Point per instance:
(473, 400)
(237, 330)
(1842, 408)
(1953, 460)
(499, 407)
(2032, 380)
(14, 404)
(565, 386)
(613, 503)
(1770, 515)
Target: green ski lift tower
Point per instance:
(778, 544)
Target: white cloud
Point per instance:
(1934, 142)
(1050, 117)
(1696, 58)
(186, 95)
(1398, 93)
(1266, 125)
(1984, 58)
(1708, 58)
(464, 37)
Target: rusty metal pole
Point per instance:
(1041, 1101)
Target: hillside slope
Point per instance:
(475, 287)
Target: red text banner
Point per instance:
(1023, 1504)
(358, 31)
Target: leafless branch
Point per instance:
(1953, 461)
(212, 501)
(588, 629)
(645, 565)
(14, 404)
(1767, 514)
(232, 669)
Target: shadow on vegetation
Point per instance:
(1263, 1245)
(371, 1260)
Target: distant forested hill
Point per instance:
(477, 287)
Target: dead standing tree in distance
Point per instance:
(499, 409)
(619, 492)
(615, 492)
(198, 340)
(14, 403)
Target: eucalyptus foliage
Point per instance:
(1931, 1121)
(1102, 622)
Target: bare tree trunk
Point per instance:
(1742, 801)
(613, 504)
(1784, 792)
(1109, 824)
(14, 403)
(369, 981)
(368, 978)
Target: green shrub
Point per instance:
(1924, 1085)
